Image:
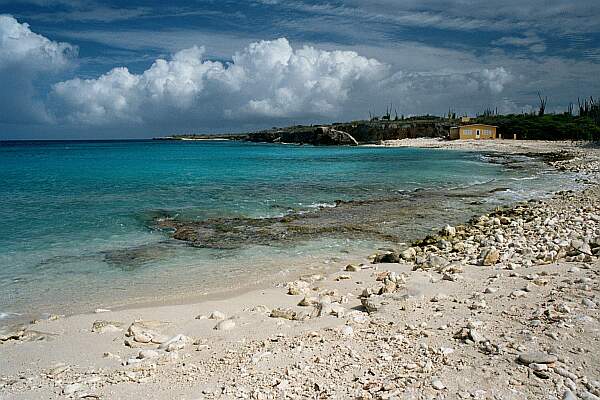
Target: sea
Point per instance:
(80, 220)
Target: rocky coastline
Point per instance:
(504, 306)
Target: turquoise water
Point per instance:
(76, 216)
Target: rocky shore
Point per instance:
(506, 306)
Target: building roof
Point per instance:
(464, 126)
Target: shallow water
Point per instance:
(79, 218)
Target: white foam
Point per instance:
(322, 205)
(4, 315)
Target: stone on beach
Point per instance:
(373, 303)
(388, 257)
(285, 313)
(107, 326)
(352, 268)
(225, 325)
(73, 388)
(408, 254)
(489, 256)
(147, 354)
(175, 343)
(217, 315)
(537, 357)
(298, 287)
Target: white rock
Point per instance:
(145, 354)
(360, 318)
(225, 325)
(142, 337)
(518, 293)
(298, 287)
(347, 330)
(101, 310)
(177, 342)
(449, 231)
(217, 315)
(538, 367)
(568, 395)
(588, 303)
(73, 388)
(437, 384)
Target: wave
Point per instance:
(8, 315)
(322, 205)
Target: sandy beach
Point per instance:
(505, 306)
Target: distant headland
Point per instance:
(540, 125)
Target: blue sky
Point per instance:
(89, 69)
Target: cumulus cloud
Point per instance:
(266, 83)
(268, 79)
(25, 58)
(496, 78)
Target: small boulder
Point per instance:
(352, 268)
(388, 257)
(448, 231)
(409, 254)
(489, 256)
(285, 313)
(373, 303)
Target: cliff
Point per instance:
(353, 133)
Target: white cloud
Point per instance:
(496, 78)
(270, 83)
(531, 41)
(26, 58)
(268, 79)
(19, 44)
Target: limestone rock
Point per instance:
(537, 357)
(409, 254)
(489, 256)
(373, 303)
(225, 325)
(389, 257)
(217, 315)
(298, 287)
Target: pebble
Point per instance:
(588, 303)
(73, 388)
(518, 293)
(437, 384)
(347, 330)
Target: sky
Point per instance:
(85, 69)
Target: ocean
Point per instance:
(81, 219)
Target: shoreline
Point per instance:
(250, 324)
(478, 193)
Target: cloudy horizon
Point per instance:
(81, 69)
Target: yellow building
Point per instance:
(474, 131)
